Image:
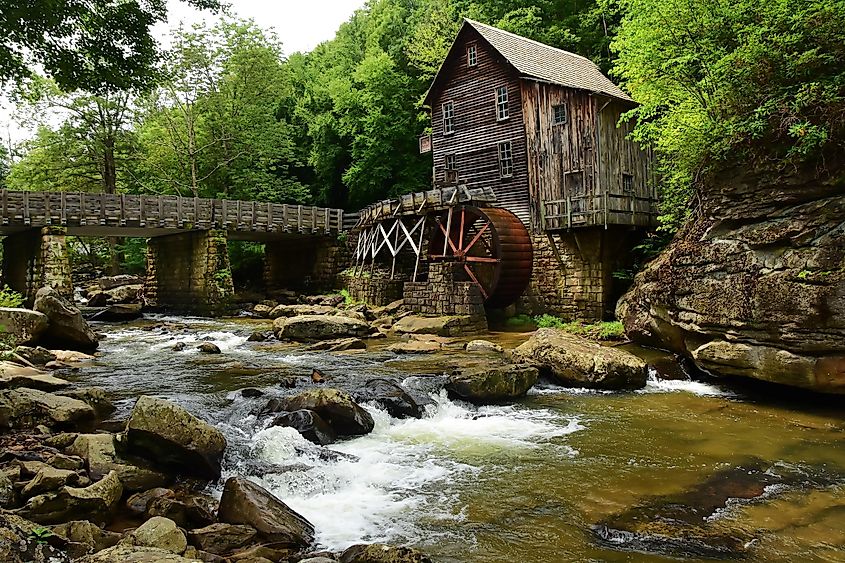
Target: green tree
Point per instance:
(94, 45)
(726, 82)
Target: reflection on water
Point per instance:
(506, 483)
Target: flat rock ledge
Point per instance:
(577, 362)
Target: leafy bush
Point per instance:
(608, 330)
(548, 321)
(10, 297)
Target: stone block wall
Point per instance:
(189, 272)
(447, 294)
(305, 264)
(37, 258)
(573, 273)
(375, 290)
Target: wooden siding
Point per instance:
(576, 168)
(477, 134)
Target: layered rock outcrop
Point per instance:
(754, 285)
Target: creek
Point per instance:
(523, 482)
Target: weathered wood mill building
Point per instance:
(542, 128)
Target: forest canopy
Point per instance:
(223, 113)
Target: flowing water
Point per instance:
(525, 482)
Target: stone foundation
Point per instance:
(373, 290)
(447, 294)
(309, 265)
(573, 273)
(189, 272)
(37, 258)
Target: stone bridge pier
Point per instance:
(36, 258)
(189, 272)
(304, 264)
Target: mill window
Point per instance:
(450, 162)
(505, 159)
(472, 55)
(560, 114)
(502, 111)
(448, 118)
(628, 183)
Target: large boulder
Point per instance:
(14, 375)
(119, 313)
(336, 407)
(299, 310)
(754, 285)
(381, 553)
(111, 282)
(159, 532)
(66, 325)
(136, 554)
(492, 384)
(101, 457)
(95, 503)
(23, 325)
(27, 408)
(220, 538)
(172, 437)
(49, 479)
(309, 424)
(391, 397)
(305, 328)
(22, 541)
(244, 502)
(577, 362)
(415, 324)
(124, 294)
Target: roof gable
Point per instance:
(537, 61)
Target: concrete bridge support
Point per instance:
(304, 264)
(189, 272)
(37, 258)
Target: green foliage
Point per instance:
(247, 263)
(607, 330)
(724, 82)
(348, 300)
(10, 298)
(133, 253)
(520, 321)
(90, 44)
(40, 534)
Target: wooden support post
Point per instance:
(448, 231)
(419, 249)
(299, 218)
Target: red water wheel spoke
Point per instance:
(475, 280)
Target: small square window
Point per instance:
(450, 162)
(505, 159)
(502, 110)
(472, 55)
(560, 114)
(628, 183)
(448, 118)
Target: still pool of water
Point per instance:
(525, 482)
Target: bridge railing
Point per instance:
(40, 209)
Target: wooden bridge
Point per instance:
(147, 216)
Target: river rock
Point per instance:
(49, 479)
(577, 362)
(63, 461)
(99, 299)
(136, 554)
(244, 502)
(173, 437)
(262, 311)
(391, 397)
(66, 325)
(306, 328)
(221, 539)
(187, 509)
(23, 325)
(492, 384)
(22, 541)
(754, 286)
(119, 312)
(308, 423)
(381, 553)
(483, 347)
(7, 491)
(38, 356)
(95, 503)
(415, 347)
(101, 457)
(72, 357)
(416, 324)
(95, 397)
(209, 348)
(88, 536)
(158, 532)
(111, 282)
(125, 294)
(259, 336)
(340, 345)
(14, 375)
(298, 310)
(27, 408)
(336, 407)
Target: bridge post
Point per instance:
(304, 264)
(189, 272)
(36, 258)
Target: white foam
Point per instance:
(656, 385)
(407, 471)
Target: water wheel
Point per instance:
(493, 246)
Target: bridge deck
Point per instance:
(151, 215)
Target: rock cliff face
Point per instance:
(755, 284)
